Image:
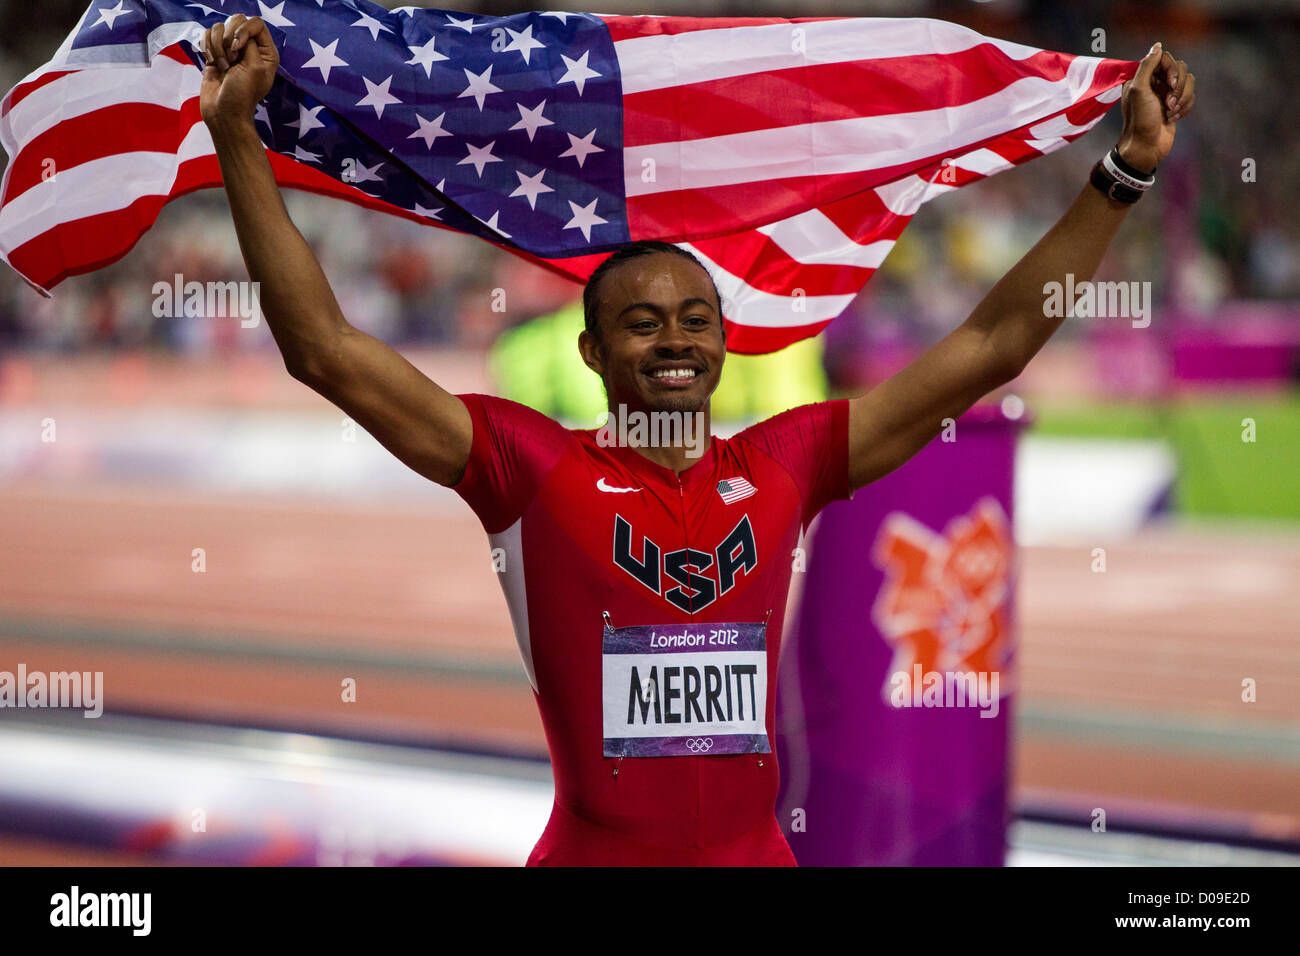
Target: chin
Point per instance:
(677, 403)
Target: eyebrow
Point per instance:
(652, 307)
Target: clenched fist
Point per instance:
(241, 64)
(1161, 94)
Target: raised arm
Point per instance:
(896, 419)
(422, 424)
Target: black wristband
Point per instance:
(1129, 168)
(1120, 180)
(1113, 188)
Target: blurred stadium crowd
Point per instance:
(1207, 235)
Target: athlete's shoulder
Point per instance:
(797, 426)
(810, 443)
(507, 412)
(513, 450)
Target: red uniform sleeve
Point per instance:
(811, 443)
(514, 449)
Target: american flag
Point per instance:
(788, 155)
(734, 489)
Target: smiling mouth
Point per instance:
(674, 375)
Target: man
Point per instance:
(647, 584)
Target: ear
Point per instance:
(592, 353)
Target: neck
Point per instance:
(675, 457)
(673, 440)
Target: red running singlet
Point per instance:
(588, 530)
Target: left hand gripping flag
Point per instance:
(788, 155)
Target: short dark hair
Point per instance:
(633, 250)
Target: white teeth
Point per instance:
(675, 373)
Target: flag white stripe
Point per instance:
(99, 186)
(129, 54)
(661, 62)
(851, 145)
(161, 37)
(983, 161)
(165, 83)
(813, 239)
(1057, 127)
(905, 196)
(749, 306)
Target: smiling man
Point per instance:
(647, 585)
(663, 395)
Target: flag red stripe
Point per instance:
(24, 90)
(690, 214)
(177, 52)
(759, 340)
(864, 217)
(826, 92)
(124, 128)
(768, 268)
(84, 245)
(1082, 113)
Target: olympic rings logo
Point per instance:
(699, 744)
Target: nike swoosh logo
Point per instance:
(601, 486)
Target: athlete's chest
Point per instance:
(695, 539)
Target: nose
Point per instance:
(672, 340)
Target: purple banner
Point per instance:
(894, 709)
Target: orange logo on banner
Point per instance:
(943, 603)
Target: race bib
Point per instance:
(685, 689)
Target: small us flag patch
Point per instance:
(734, 489)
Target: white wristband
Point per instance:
(1132, 182)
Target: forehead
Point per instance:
(662, 279)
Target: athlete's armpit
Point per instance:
(425, 426)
